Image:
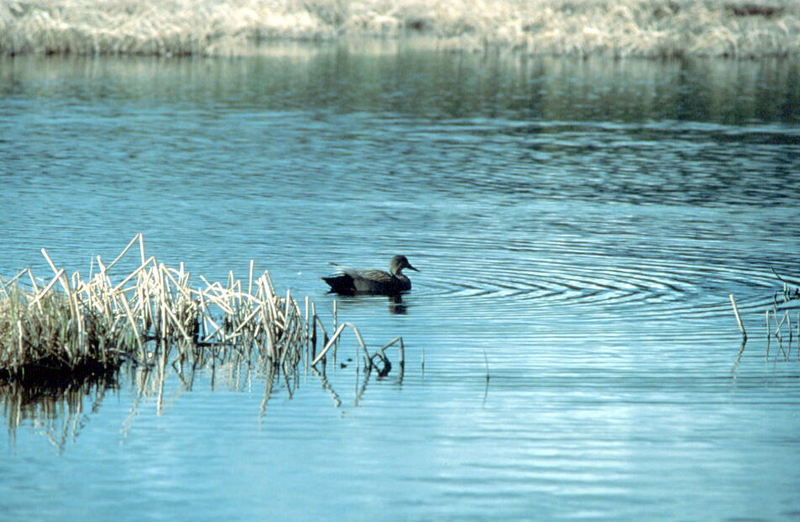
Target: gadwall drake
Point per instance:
(352, 281)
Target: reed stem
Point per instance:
(738, 317)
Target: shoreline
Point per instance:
(580, 28)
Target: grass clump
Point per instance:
(47, 338)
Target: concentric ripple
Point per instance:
(574, 275)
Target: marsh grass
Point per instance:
(40, 345)
(617, 28)
(155, 318)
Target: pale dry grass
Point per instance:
(618, 28)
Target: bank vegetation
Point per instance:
(612, 28)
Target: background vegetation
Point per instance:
(616, 28)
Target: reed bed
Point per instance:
(153, 316)
(618, 28)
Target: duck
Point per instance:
(351, 281)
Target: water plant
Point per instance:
(777, 320)
(153, 316)
(780, 317)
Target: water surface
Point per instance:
(578, 226)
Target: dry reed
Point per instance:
(782, 330)
(738, 318)
(154, 317)
(618, 28)
(778, 321)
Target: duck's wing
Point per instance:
(353, 280)
(372, 281)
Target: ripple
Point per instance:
(574, 276)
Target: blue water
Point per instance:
(578, 225)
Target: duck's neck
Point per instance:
(397, 270)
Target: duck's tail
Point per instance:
(340, 283)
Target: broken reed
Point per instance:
(74, 326)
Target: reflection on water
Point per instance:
(57, 413)
(433, 86)
(578, 225)
(56, 407)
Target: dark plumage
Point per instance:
(353, 281)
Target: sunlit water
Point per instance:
(578, 225)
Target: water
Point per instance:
(578, 226)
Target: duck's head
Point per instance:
(398, 263)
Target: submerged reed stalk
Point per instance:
(377, 361)
(72, 326)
